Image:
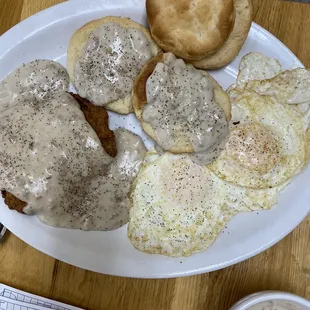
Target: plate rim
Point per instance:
(11, 33)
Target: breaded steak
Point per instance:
(98, 118)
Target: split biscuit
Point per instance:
(190, 29)
(231, 48)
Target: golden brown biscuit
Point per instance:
(190, 29)
(139, 100)
(79, 40)
(98, 118)
(234, 43)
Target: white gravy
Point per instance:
(276, 305)
(51, 158)
(111, 60)
(181, 106)
(40, 78)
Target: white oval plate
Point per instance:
(46, 35)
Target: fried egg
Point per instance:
(266, 146)
(257, 66)
(263, 75)
(290, 86)
(179, 208)
(253, 66)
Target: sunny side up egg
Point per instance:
(266, 146)
(179, 207)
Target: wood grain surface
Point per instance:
(286, 266)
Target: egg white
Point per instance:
(308, 145)
(253, 66)
(290, 86)
(179, 208)
(257, 66)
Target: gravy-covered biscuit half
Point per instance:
(190, 29)
(104, 58)
(183, 109)
(232, 46)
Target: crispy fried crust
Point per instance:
(139, 88)
(139, 101)
(190, 29)
(230, 49)
(12, 202)
(98, 118)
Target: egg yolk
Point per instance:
(252, 146)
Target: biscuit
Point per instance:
(79, 40)
(190, 29)
(140, 100)
(234, 43)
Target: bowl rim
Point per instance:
(256, 298)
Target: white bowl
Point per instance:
(257, 298)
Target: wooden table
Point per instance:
(286, 266)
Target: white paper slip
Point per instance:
(13, 299)
(9, 304)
